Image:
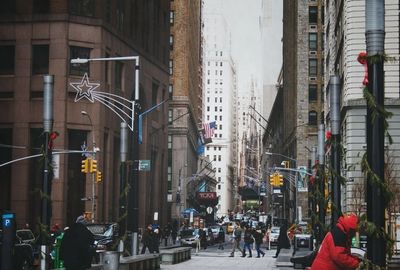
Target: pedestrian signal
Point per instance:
(85, 166)
(98, 177)
(93, 166)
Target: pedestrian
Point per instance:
(334, 253)
(147, 241)
(166, 233)
(258, 238)
(156, 239)
(283, 239)
(221, 238)
(174, 231)
(77, 247)
(248, 240)
(237, 237)
(203, 238)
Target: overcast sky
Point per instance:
(245, 19)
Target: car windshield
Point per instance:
(186, 233)
(25, 235)
(274, 230)
(100, 229)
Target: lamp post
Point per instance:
(133, 193)
(84, 113)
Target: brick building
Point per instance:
(40, 37)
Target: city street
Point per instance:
(215, 259)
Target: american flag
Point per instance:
(208, 130)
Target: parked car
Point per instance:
(23, 252)
(273, 236)
(105, 235)
(189, 237)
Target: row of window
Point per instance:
(216, 81)
(216, 99)
(215, 117)
(216, 72)
(216, 63)
(215, 108)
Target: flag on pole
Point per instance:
(208, 130)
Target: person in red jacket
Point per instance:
(334, 253)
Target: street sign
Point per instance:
(144, 165)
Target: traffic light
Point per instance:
(93, 166)
(280, 180)
(85, 166)
(272, 180)
(98, 177)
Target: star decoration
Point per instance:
(84, 88)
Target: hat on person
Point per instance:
(349, 222)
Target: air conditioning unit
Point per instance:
(312, 78)
(313, 27)
(313, 53)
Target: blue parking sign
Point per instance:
(8, 220)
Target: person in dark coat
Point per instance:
(77, 247)
(147, 239)
(174, 231)
(248, 241)
(334, 253)
(258, 237)
(221, 238)
(283, 239)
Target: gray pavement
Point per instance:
(215, 259)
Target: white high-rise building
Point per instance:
(219, 103)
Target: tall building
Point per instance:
(345, 39)
(185, 111)
(219, 101)
(41, 37)
(302, 99)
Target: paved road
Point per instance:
(214, 259)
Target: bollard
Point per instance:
(110, 260)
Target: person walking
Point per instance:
(174, 232)
(166, 233)
(237, 237)
(221, 238)
(283, 239)
(147, 241)
(248, 240)
(156, 239)
(258, 238)
(334, 253)
(77, 247)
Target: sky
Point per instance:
(251, 47)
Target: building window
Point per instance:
(170, 90)
(219, 187)
(169, 142)
(171, 66)
(208, 117)
(216, 118)
(219, 157)
(40, 59)
(82, 8)
(79, 52)
(208, 108)
(41, 6)
(312, 118)
(171, 17)
(312, 67)
(312, 41)
(219, 169)
(312, 92)
(154, 93)
(7, 56)
(313, 14)
(171, 42)
(118, 76)
(170, 115)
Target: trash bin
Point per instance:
(110, 260)
(303, 241)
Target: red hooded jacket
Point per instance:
(334, 253)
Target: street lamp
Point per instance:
(84, 113)
(133, 196)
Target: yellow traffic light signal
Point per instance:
(280, 180)
(93, 166)
(98, 177)
(272, 179)
(85, 166)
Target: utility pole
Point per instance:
(375, 40)
(48, 93)
(334, 89)
(321, 179)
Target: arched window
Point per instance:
(312, 118)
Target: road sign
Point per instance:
(144, 165)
